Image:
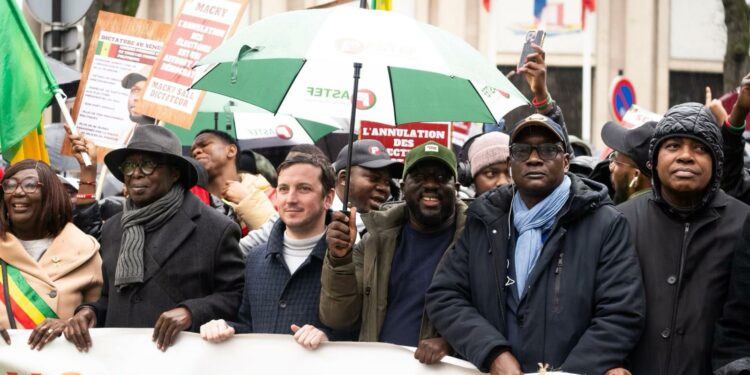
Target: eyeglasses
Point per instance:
(29, 185)
(147, 167)
(612, 159)
(546, 151)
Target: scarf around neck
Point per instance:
(531, 223)
(135, 223)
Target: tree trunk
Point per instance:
(126, 7)
(736, 64)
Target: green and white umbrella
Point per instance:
(254, 127)
(300, 63)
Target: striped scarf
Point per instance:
(135, 223)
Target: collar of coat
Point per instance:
(397, 215)
(68, 251)
(276, 240)
(585, 195)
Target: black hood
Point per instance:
(690, 120)
(586, 195)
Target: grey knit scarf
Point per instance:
(135, 223)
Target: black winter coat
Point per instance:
(192, 261)
(686, 266)
(732, 336)
(584, 309)
(685, 256)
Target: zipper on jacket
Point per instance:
(558, 272)
(683, 251)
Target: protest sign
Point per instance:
(398, 140)
(121, 54)
(201, 26)
(131, 351)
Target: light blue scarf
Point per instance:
(530, 224)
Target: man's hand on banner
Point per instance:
(77, 329)
(432, 350)
(46, 331)
(308, 336)
(216, 331)
(169, 324)
(341, 233)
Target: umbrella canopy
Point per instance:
(67, 77)
(253, 127)
(300, 63)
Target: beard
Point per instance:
(621, 190)
(432, 219)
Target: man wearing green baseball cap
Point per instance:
(403, 248)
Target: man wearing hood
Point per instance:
(544, 271)
(684, 232)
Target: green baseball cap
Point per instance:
(430, 151)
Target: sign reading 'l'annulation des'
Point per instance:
(398, 140)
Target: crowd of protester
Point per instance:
(644, 272)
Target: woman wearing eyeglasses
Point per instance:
(49, 266)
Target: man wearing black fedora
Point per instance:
(169, 261)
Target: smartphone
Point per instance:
(533, 36)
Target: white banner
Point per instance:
(131, 351)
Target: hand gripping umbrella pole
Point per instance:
(357, 68)
(59, 97)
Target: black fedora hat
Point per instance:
(156, 140)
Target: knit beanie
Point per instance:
(488, 149)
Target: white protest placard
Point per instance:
(201, 26)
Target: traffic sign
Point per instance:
(71, 13)
(622, 97)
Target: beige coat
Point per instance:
(68, 274)
(256, 208)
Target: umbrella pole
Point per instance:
(357, 67)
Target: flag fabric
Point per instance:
(28, 307)
(538, 8)
(31, 147)
(586, 5)
(486, 5)
(26, 86)
(381, 4)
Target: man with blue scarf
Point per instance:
(544, 272)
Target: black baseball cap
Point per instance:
(633, 143)
(368, 153)
(544, 122)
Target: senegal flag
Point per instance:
(26, 87)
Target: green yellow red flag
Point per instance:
(26, 87)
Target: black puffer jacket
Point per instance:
(685, 256)
(584, 307)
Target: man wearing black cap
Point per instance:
(136, 83)
(169, 261)
(370, 182)
(378, 285)
(544, 272)
(628, 167)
